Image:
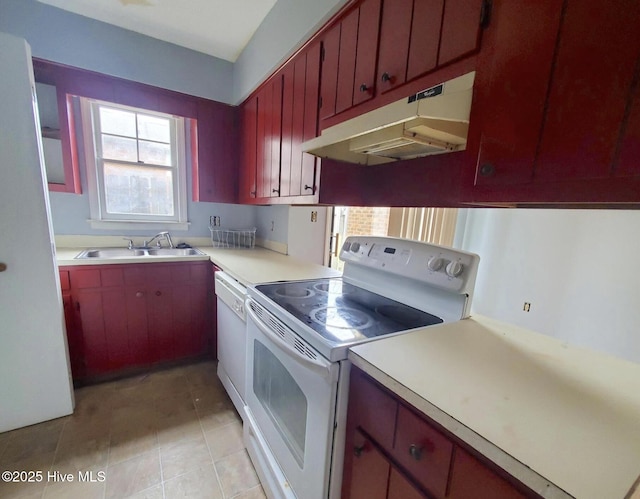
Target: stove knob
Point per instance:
(435, 263)
(355, 247)
(454, 269)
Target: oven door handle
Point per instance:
(314, 364)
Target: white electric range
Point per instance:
(298, 337)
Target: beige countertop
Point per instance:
(249, 266)
(556, 416)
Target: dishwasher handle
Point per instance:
(231, 294)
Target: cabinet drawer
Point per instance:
(423, 452)
(379, 424)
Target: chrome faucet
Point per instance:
(164, 234)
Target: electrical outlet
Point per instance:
(314, 216)
(527, 306)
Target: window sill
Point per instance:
(137, 225)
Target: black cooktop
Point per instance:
(343, 313)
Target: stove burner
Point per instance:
(294, 292)
(341, 318)
(332, 287)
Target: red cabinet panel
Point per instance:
(401, 488)
(595, 62)
(461, 26)
(347, 60)
(369, 472)
(628, 163)
(423, 451)
(330, 55)
(126, 316)
(395, 32)
(248, 163)
(425, 37)
(471, 478)
(367, 51)
(509, 104)
(308, 181)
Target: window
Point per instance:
(135, 165)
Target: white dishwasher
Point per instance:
(232, 337)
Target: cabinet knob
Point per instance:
(158, 293)
(252, 193)
(487, 170)
(309, 188)
(275, 191)
(139, 294)
(364, 88)
(358, 450)
(3, 267)
(386, 77)
(415, 452)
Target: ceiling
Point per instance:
(220, 28)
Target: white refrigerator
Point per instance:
(35, 380)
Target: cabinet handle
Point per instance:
(252, 193)
(139, 294)
(275, 191)
(386, 77)
(358, 450)
(487, 170)
(415, 452)
(3, 267)
(364, 88)
(309, 188)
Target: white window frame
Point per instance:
(100, 219)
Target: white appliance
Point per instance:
(35, 379)
(232, 337)
(433, 121)
(298, 335)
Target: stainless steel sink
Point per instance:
(115, 253)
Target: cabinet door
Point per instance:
(425, 37)
(395, 32)
(161, 330)
(74, 338)
(628, 163)
(329, 78)
(597, 53)
(510, 98)
(401, 488)
(268, 143)
(308, 180)
(369, 471)
(364, 84)
(248, 166)
(471, 478)
(423, 451)
(461, 27)
(94, 338)
(347, 60)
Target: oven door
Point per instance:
(291, 399)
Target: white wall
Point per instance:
(285, 28)
(579, 269)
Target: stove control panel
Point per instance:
(439, 266)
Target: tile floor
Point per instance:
(168, 434)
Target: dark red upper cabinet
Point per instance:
(248, 166)
(364, 84)
(329, 83)
(461, 27)
(595, 62)
(509, 102)
(425, 37)
(568, 132)
(395, 32)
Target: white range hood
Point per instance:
(433, 121)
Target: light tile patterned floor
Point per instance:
(169, 434)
